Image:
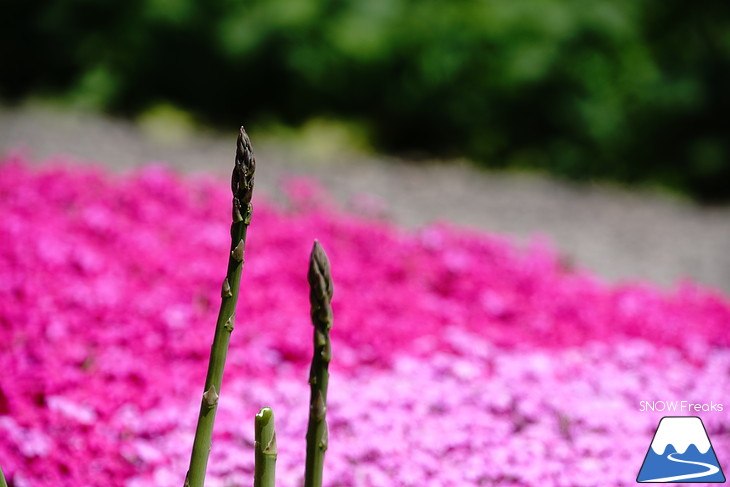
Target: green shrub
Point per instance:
(629, 90)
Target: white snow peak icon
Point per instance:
(681, 452)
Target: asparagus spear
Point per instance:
(2, 479)
(242, 188)
(265, 449)
(320, 297)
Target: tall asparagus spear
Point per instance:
(320, 297)
(2, 479)
(265, 449)
(242, 187)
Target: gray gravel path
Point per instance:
(619, 234)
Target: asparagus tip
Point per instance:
(264, 416)
(263, 419)
(243, 173)
(319, 271)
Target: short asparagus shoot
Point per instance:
(320, 298)
(265, 449)
(242, 187)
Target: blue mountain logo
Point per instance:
(681, 452)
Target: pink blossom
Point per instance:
(459, 357)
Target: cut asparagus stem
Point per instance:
(320, 297)
(242, 187)
(2, 479)
(265, 449)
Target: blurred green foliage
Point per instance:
(629, 90)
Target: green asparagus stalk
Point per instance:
(265, 449)
(242, 187)
(2, 479)
(320, 297)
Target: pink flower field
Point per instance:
(460, 358)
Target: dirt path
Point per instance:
(616, 233)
